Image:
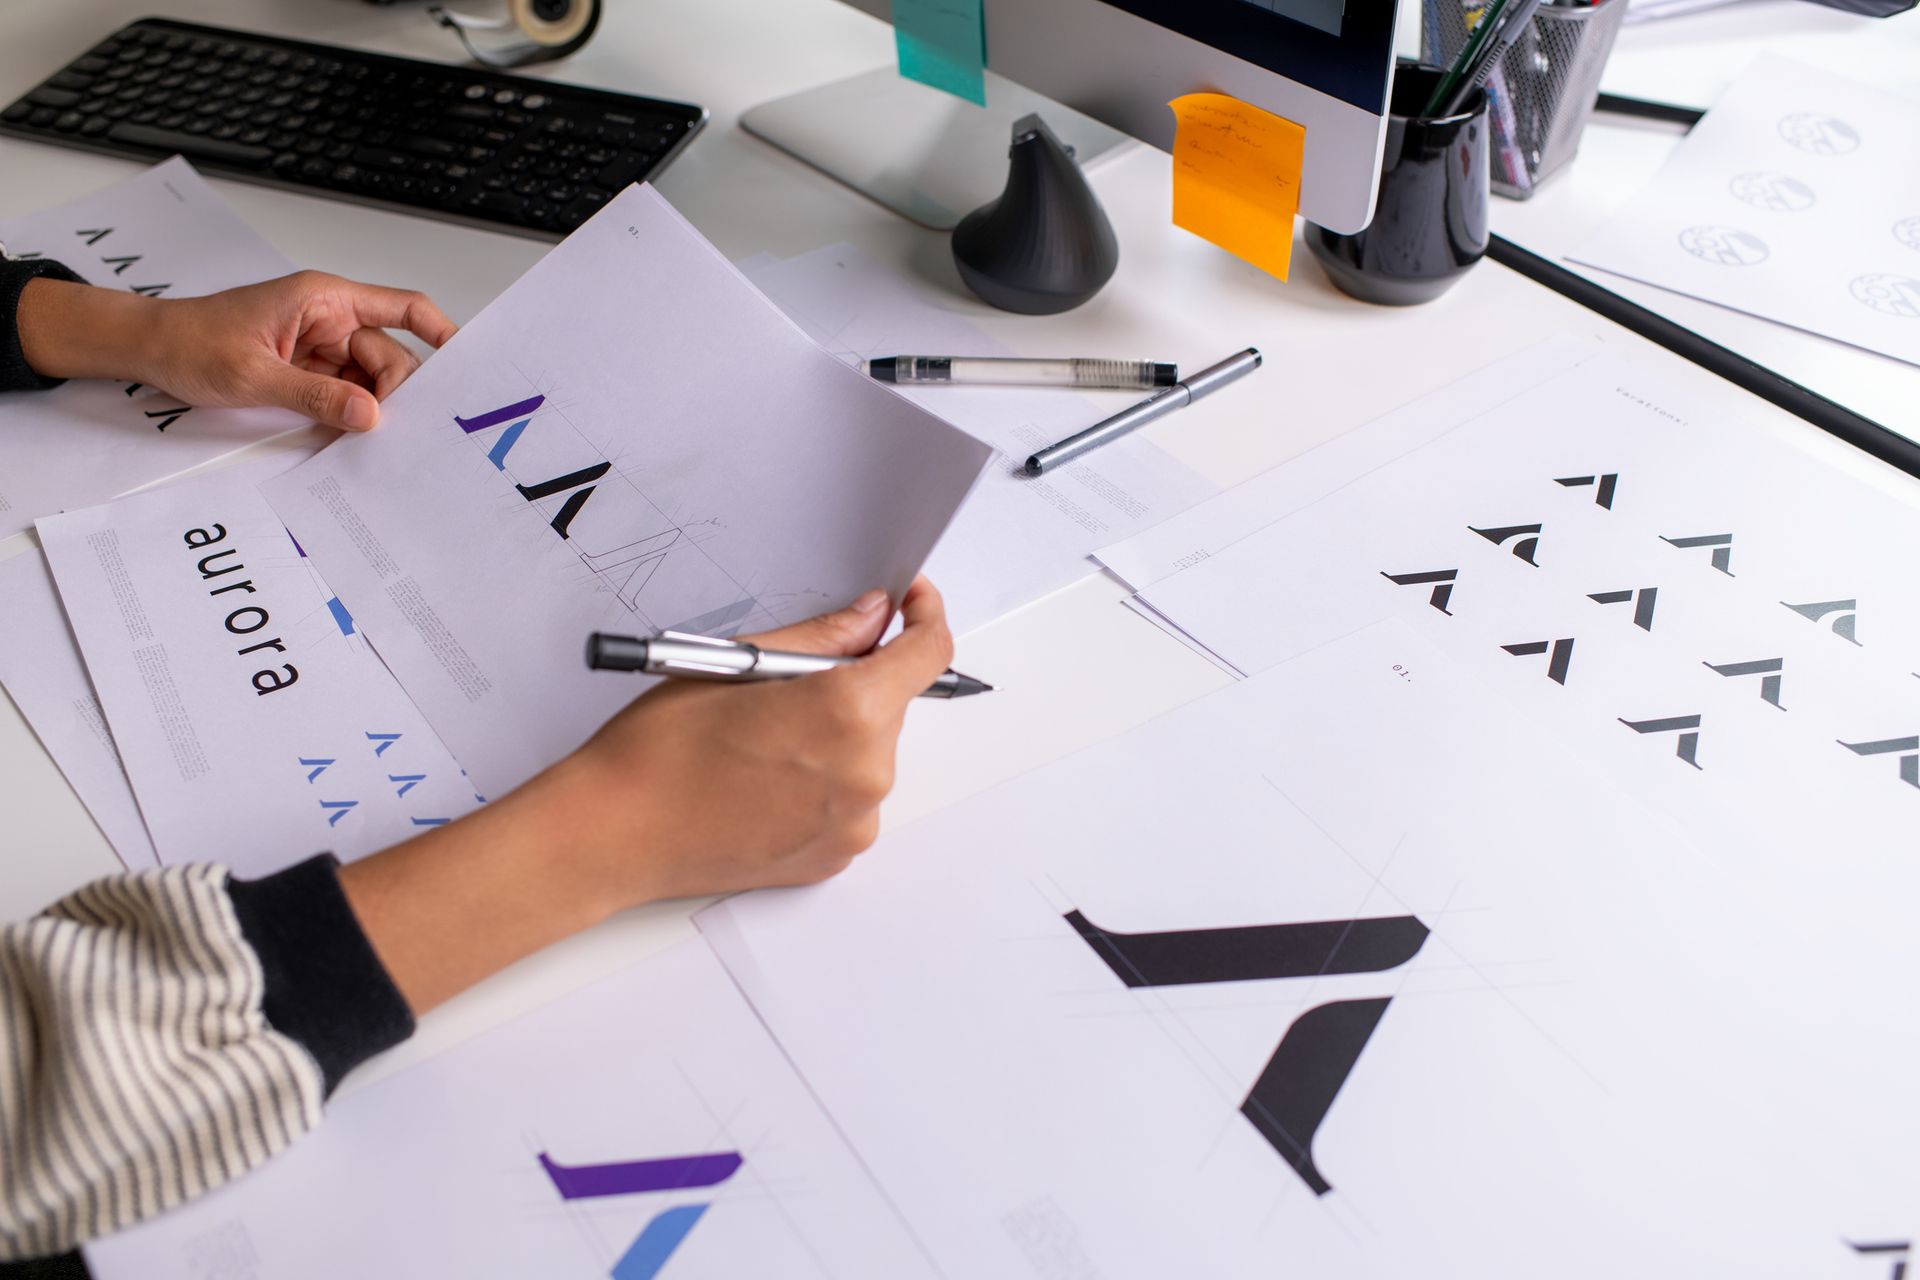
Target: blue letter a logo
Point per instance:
(662, 1235)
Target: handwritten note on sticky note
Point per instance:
(1236, 177)
(943, 43)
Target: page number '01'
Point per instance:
(1403, 672)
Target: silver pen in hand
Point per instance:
(689, 657)
(1178, 396)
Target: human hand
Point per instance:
(311, 342)
(700, 788)
(695, 788)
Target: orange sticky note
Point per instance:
(1236, 177)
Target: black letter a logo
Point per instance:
(1317, 1054)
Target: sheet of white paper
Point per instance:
(1184, 540)
(165, 234)
(1437, 1003)
(1722, 624)
(1018, 538)
(684, 1147)
(257, 725)
(629, 439)
(1796, 199)
(41, 668)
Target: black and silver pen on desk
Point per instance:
(691, 657)
(1178, 396)
(1078, 371)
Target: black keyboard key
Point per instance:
(437, 147)
(70, 80)
(68, 121)
(189, 145)
(501, 202)
(622, 171)
(91, 64)
(17, 112)
(381, 158)
(94, 126)
(45, 97)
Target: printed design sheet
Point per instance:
(256, 724)
(42, 671)
(1796, 199)
(1710, 614)
(629, 439)
(1019, 537)
(1338, 973)
(164, 234)
(645, 1126)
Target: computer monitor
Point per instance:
(1327, 65)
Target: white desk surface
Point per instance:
(1076, 667)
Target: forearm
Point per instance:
(463, 901)
(77, 331)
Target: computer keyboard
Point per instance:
(448, 142)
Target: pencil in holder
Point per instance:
(1542, 93)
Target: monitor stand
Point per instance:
(925, 154)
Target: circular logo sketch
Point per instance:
(1819, 135)
(1895, 295)
(1907, 231)
(1724, 246)
(1775, 192)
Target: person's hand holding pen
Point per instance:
(310, 342)
(695, 788)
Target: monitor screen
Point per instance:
(1335, 46)
(1324, 14)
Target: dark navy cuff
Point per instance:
(15, 373)
(325, 986)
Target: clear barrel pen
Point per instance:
(1124, 375)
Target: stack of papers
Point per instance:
(1795, 199)
(1564, 822)
(1544, 880)
(220, 688)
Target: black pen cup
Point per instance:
(1430, 220)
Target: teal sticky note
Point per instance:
(943, 43)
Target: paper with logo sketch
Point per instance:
(1019, 537)
(165, 234)
(645, 1126)
(1351, 970)
(630, 439)
(1797, 199)
(257, 725)
(43, 674)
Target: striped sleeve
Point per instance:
(163, 1032)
